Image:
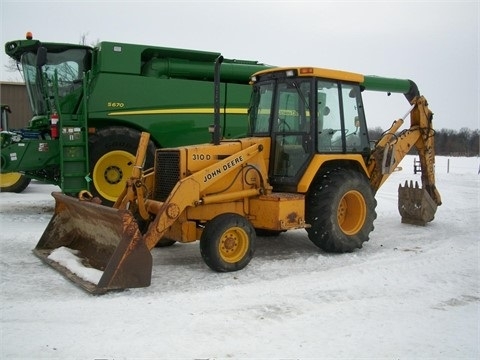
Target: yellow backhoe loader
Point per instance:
(307, 163)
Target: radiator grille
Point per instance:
(167, 173)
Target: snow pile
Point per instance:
(410, 293)
(68, 259)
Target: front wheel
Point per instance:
(227, 243)
(13, 182)
(341, 210)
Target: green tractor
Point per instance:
(14, 181)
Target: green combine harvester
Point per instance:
(91, 104)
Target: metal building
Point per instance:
(14, 94)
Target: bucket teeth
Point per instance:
(415, 204)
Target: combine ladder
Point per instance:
(74, 155)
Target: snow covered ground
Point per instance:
(411, 292)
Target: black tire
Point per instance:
(165, 242)
(227, 243)
(340, 207)
(112, 154)
(268, 233)
(13, 182)
(143, 227)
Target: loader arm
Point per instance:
(187, 192)
(109, 239)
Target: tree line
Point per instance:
(463, 142)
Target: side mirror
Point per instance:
(41, 56)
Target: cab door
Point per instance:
(291, 133)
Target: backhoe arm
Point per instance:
(416, 205)
(421, 116)
(392, 148)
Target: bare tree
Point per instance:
(14, 67)
(83, 40)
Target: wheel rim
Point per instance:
(9, 179)
(352, 212)
(233, 245)
(110, 173)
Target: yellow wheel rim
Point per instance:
(9, 179)
(352, 212)
(233, 245)
(111, 172)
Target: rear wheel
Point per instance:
(341, 210)
(13, 182)
(112, 155)
(228, 243)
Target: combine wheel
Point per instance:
(13, 182)
(228, 243)
(112, 154)
(340, 210)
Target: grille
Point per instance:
(167, 173)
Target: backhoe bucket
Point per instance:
(415, 204)
(97, 247)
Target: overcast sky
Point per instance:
(434, 43)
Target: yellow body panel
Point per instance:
(278, 211)
(182, 232)
(199, 157)
(320, 160)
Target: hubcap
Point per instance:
(233, 245)
(113, 175)
(352, 212)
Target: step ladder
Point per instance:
(74, 154)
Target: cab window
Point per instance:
(340, 117)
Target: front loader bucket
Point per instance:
(97, 247)
(415, 204)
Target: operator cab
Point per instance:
(53, 73)
(306, 111)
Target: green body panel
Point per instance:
(164, 108)
(28, 154)
(167, 92)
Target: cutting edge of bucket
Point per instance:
(43, 254)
